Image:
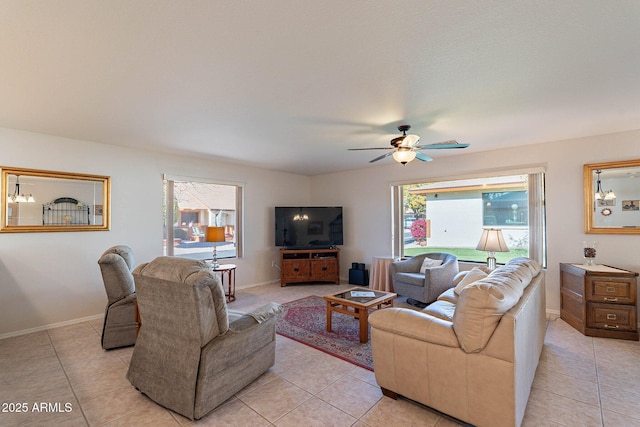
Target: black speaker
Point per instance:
(359, 276)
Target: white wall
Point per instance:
(366, 197)
(50, 278)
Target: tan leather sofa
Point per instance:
(472, 356)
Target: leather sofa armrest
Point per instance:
(414, 324)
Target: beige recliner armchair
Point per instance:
(424, 287)
(192, 353)
(119, 329)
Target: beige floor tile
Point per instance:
(33, 366)
(101, 361)
(123, 353)
(351, 395)
(627, 379)
(400, 413)
(233, 413)
(262, 379)
(614, 419)
(72, 419)
(25, 347)
(110, 406)
(531, 420)
(584, 370)
(546, 405)
(315, 413)
(97, 384)
(567, 386)
(145, 417)
(275, 398)
(364, 375)
(37, 385)
(97, 325)
(71, 332)
(312, 377)
(621, 401)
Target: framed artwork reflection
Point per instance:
(630, 205)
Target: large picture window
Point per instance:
(449, 216)
(190, 207)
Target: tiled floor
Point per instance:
(580, 381)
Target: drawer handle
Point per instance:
(611, 299)
(611, 326)
(296, 269)
(324, 268)
(612, 317)
(611, 289)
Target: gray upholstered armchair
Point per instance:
(424, 287)
(192, 353)
(119, 329)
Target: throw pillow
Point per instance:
(473, 275)
(429, 263)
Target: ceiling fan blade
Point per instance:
(381, 157)
(370, 148)
(423, 157)
(443, 145)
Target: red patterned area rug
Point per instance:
(305, 321)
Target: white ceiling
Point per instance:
(290, 85)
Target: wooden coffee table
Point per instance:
(347, 303)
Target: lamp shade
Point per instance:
(215, 234)
(404, 155)
(492, 241)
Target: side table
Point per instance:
(381, 279)
(228, 270)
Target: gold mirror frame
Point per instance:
(57, 195)
(590, 208)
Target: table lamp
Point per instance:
(215, 235)
(492, 241)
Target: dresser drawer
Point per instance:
(611, 316)
(617, 290)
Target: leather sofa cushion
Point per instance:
(471, 276)
(482, 303)
(449, 295)
(441, 309)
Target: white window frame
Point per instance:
(239, 208)
(537, 208)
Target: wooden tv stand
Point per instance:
(309, 265)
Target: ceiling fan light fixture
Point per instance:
(404, 155)
(410, 140)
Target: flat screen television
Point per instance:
(301, 227)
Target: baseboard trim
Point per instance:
(553, 314)
(51, 326)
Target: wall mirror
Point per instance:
(612, 197)
(36, 200)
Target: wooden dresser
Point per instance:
(599, 301)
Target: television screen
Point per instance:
(300, 227)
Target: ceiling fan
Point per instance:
(405, 149)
